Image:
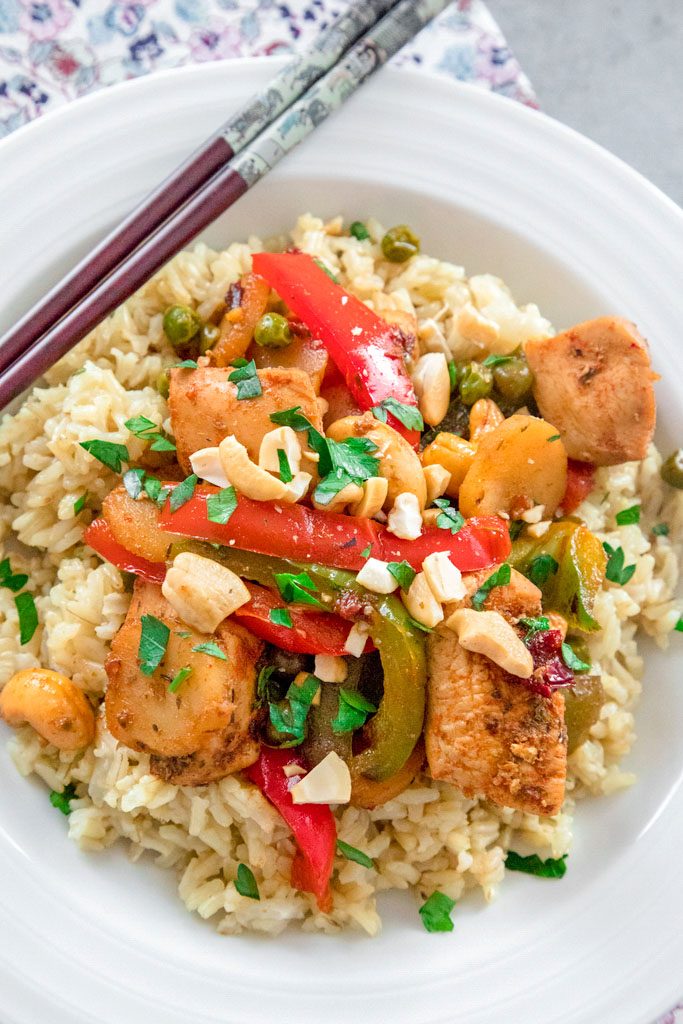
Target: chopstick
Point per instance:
(388, 36)
(229, 140)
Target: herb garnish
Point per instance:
(627, 516)
(453, 374)
(28, 616)
(353, 711)
(288, 717)
(153, 641)
(449, 518)
(286, 474)
(358, 230)
(246, 379)
(534, 625)
(262, 683)
(326, 270)
(403, 573)
(418, 625)
(679, 626)
(79, 503)
(616, 571)
(357, 856)
(572, 660)
(12, 581)
(181, 494)
(541, 569)
(436, 912)
(500, 578)
(533, 865)
(555, 437)
(292, 585)
(109, 454)
(219, 507)
(409, 415)
(245, 883)
(515, 527)
(62, 801)
(365, 553)
(187, 364)
(660, 530)
(496, 360)
(146, 430)
(212, 649)
(179, 679)
(280, 617)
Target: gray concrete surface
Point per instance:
(613, 69)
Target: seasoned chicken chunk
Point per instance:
(594, 383)
(205, 407)
(490, 735)
(486, 733)
(208, 720)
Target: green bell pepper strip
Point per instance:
(391, 734)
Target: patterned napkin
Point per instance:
(53, 51)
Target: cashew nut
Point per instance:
(437, 479)
(455, 455)
(347, 495)
(283, 439)
(432, 384)
(374, 495)
(203, 592)
(399, 463)
(52, 704)
(255, 482)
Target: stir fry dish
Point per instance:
(322, 575)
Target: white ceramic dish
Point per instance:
(498, 187)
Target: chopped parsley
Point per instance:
(496, 360)
(286, 474)
(661, 530)
(179, 679)
(13, 581)
(288, 717)
(616, 571)
(293, 418)
(500, 578)
(153, 641)
(79, 503)
(246, 379)
(449, 518)
(453, 374)
(358, 230)
(418, 625)
(403, 573)
(280, 617)
(436, 912)
(62, 801)
(245, 883)
(295, 588)
(357, 856)
(262, 683)
(679, 626)
(146, 430)
(28, 616)
(555, 437)
(133, 482)
(409, 415)
(187, 364)
(326, 270)
(219, 507)
(352, 712)
(109, 454)
(533, 865)
(154, 490)
(181, 494)
(541, 569)
(365, 553)
(628, 516)
(515, 527)
(535, 625)
(572, 660)
(212, 649)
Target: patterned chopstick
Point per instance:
(286, 87)
(397, 28)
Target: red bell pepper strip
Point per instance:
(329, 538)
(101, 539)
(311, 632)
(366, 349)
(313, 825)
(580, 482)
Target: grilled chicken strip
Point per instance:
(201, 732)
(594, 383)
(486, 733)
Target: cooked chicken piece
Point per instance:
(490, 735)
(135, 525)
(594, 383)
(208, 719)
(486, 733)
(205, 408)
(226, 752)
(305, 353)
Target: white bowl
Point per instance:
(500, 188)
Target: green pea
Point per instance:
(180, 325)
(163, 382)
(399, 244)
(208, 336)
(272, 331)
(514, 380)
(475, 382)
(672, 470)
(359, 231)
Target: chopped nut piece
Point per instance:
(444, 579)
(405, 518)
(421, 603)
(375, 576)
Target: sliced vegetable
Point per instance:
(312, 825)
(366, 349)
(100, 538)
(580, 482)
(353, 711)
(582, 704)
